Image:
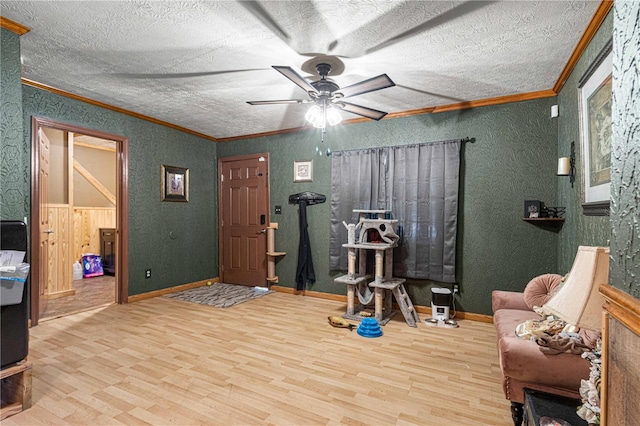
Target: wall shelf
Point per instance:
(552, 224)
(272, 253)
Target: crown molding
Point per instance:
(421, 111)
(12, 26)
(598, 17)
(47, 88)
(429, 110)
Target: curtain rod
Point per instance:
(467, 139)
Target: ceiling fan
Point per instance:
(326, 95)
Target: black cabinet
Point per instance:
(108, 250)
(14, 345)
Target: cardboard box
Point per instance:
(92, 266)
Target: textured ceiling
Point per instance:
(163, 59)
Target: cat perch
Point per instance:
(272, 254)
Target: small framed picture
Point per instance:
(303, 171)
(175, 184)
(532, 209)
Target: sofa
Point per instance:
(522, 363)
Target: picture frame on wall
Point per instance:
(532, 209)
(595, 93)
(175, 184)
(303, 171)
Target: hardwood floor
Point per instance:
(90, 294)
(274, 361)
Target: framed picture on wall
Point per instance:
(175, 184)
(303, 171)
(532, 209)
(595, 90)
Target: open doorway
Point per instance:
(79, 212)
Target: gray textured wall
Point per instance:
(193, 254)
(625, 181)
(14, 156)
(513, 159)
(578, 229)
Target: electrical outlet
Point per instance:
(147, 273)
(278, 209)
(456, 289)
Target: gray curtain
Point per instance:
(419, 184)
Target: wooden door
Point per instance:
(44, 224)
(244, 216)
(56, 215)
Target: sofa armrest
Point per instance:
(501, 299)
(522, 360)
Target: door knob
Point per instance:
(48, 231)
(261, 231)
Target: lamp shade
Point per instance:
(579, 302)
(564, 166)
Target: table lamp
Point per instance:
(578, 301)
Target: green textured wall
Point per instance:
(14, 156)
(178, 241)
(578, 229)
(625, 159)
(513, 159)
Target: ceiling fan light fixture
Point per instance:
(315, 116)
(333, 116)
(320, 116)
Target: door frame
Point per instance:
(122, 207)
(221, 161)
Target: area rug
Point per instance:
(219, 295)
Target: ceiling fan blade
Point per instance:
(374, 114)
(283, 101)
(370, 85)
(263, 16)
(424, 92)
(181, 74)
(350, 45)
(453, 13)
(304, 43)
(296, 78)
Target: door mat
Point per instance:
(219, 295)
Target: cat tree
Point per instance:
(377, 234)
